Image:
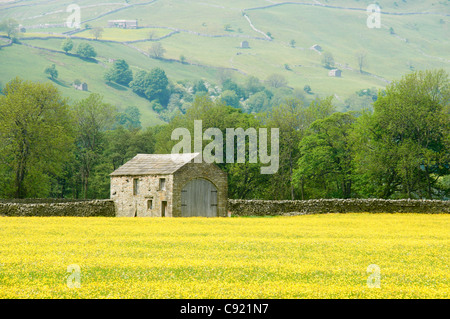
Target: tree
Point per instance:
(156, 51)
(158, 86)
(288, 118)
(97, 32)
(67, 45)
(361, 58)
(153, 85)
(10, 26)
(36, 137)
(253, 85)
(230, 98)
(93, 117)
(119, 73)
(230, 85)
(123, 144)
(325, 166)
(405, 144)
(292, 43)
(200, 87)
(86, 50)
(140, 83)
(51, 70)
(130, 119)
(307, 89)
(182, 59)
(319, 108)
(258, 102)
(293, 119)
(327, 60)
(276, 81)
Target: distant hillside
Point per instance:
(207, 36)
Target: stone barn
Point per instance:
(81, 86)
(169, 185)
(124, 24)
(316, 47)
(335, 73)
(245, 45)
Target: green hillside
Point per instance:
(413, 36)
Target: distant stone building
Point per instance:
(169, 185)
(245, 45)
(335, 72)
(124, 24)
(81, 86)
(316, 47)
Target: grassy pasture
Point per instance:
(34, 61)
(121, 35)
(315, 256)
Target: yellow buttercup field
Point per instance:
(315, 256)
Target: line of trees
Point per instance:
(84, 50)
(401, 149)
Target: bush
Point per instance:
(120, 73)
(307, 89)
(51, 70)
(86, 50)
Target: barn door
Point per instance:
(199, 198)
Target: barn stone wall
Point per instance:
(206, 171)
(129, 205)
(52, 207)
(324, 206)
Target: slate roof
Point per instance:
(154, 164)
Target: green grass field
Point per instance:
(314, 256)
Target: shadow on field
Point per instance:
(116, 86)
(58, 82)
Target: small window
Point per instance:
(135, 186)
(150, 204)
(162, 184)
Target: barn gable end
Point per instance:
(204, 171)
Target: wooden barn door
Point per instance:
(199, 198)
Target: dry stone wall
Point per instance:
(324, 206)
(106, 208)
(71, 208)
